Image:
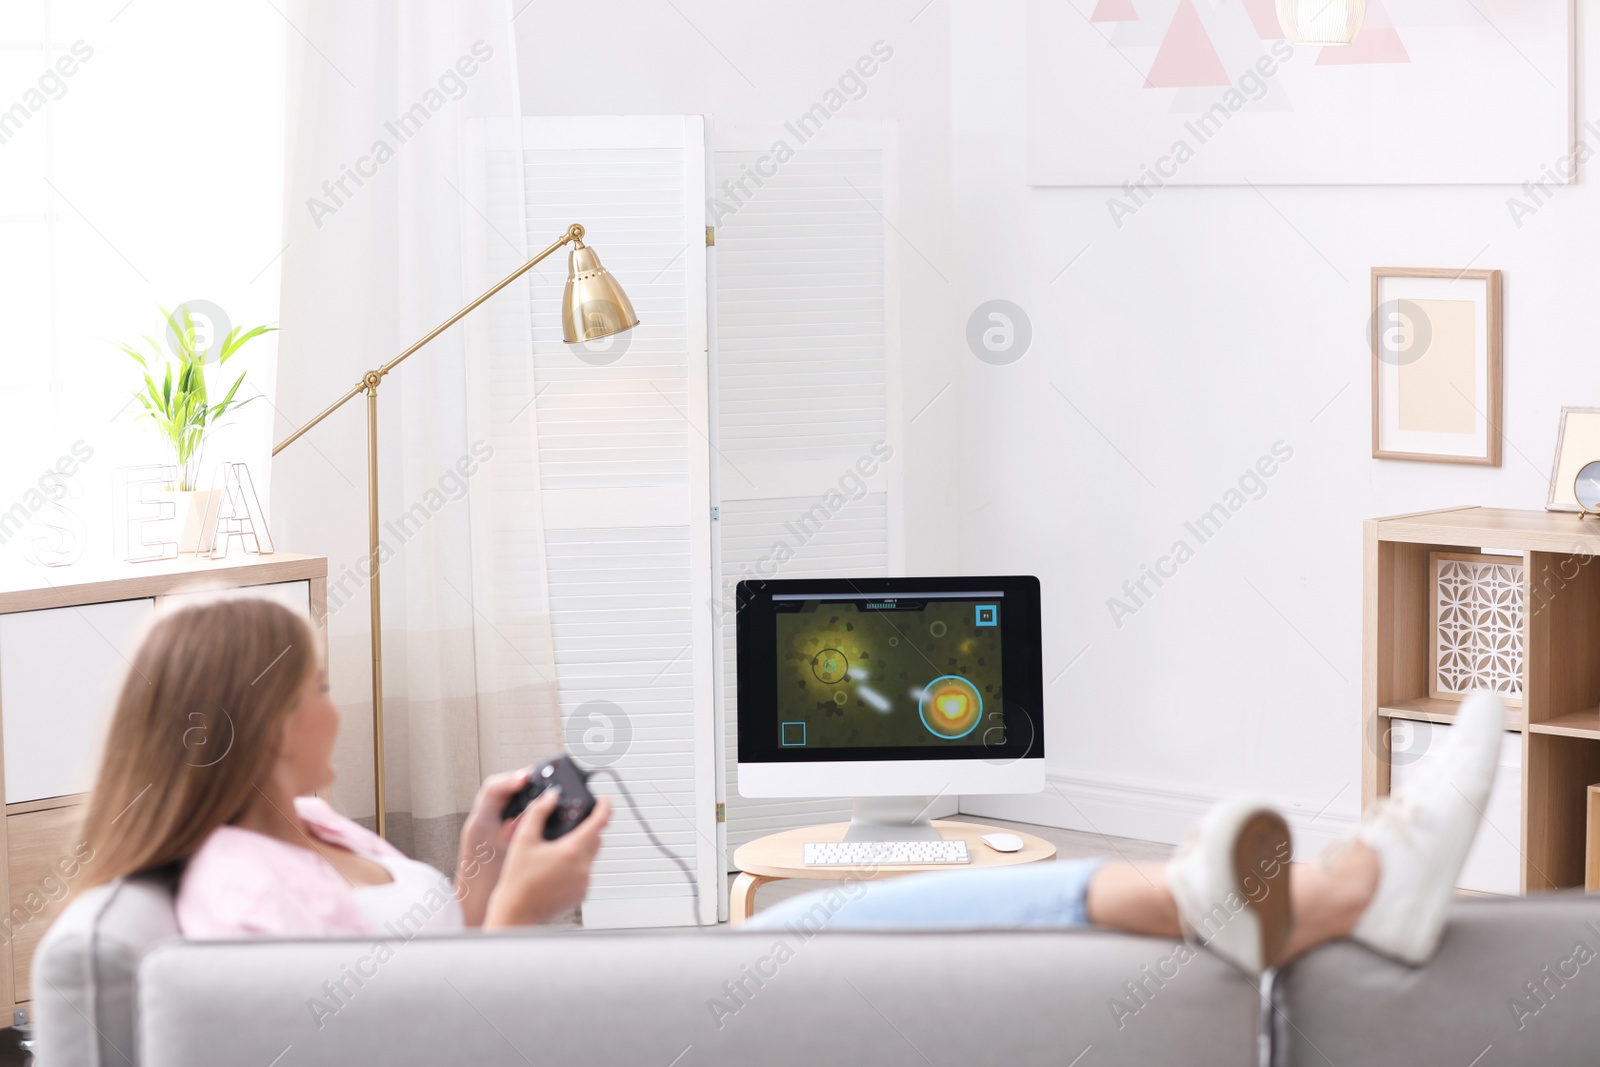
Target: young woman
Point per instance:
(224, 731)
(222, 735)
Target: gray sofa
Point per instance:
(115, 985)
(1509, 986)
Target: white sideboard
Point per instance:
(65, 639)
(58, 671)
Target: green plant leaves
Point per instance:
(180, 408)
(235, 341)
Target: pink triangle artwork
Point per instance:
(1114, 11)
(1264, 17)
(1378, 42)
(1186, 59)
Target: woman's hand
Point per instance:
(541, 879)
(485, 839)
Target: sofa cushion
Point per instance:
(630, 998)
(1520, 976)
(85, 967)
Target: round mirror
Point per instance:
(1587, 488)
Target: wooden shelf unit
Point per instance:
(1559, 720)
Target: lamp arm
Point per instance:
(335, 406)
(369, 385)
(370, 380)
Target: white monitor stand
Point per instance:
(891, 819)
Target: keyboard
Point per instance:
(883, 853)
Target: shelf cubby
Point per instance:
(1562, 639)
(1558, 772)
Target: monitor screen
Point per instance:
(889, 669)
(914, 669)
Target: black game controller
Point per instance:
(576, 801)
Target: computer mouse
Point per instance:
(1002, 842)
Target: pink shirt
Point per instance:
(242, 882)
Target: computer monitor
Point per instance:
(890, 690)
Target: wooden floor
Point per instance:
(1070, 845)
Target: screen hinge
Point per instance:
(716, 513)
(711, 236)
(722, 813)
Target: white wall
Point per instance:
(1171, 356)
(744, 61)
(1211, 325)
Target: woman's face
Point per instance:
(305, 754)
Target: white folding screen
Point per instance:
(806, 383)
(608, 468)
(613, 459)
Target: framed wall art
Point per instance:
(1577, 444)
(1435, 338)
(1199, 92)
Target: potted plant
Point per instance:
(175, 397)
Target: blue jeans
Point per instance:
(1049, 894)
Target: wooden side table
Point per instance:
(778, 856)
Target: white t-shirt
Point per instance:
(419, 900)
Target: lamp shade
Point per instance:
(1321, 21)
(594, 305)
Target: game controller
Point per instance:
(576, 801)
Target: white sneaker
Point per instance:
(1230, 879)
(1422, 835)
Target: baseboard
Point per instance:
(1145, 812)
(639, 913)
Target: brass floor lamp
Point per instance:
(593, 307)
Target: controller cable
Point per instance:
(633, 806)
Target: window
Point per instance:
(123, 187)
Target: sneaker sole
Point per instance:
(1261, 877)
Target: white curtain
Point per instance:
(386, 228)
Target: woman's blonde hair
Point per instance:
(195, 730)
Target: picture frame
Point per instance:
(1436, 339)
(1577, 443)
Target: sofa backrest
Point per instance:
(1521, 977)
(697, 997)
(85, 973)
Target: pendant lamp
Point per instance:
(1321, 21)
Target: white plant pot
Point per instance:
(189, 526)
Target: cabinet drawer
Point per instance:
(46, 856)
(60, 669)
(296, 595)
(1495, 863)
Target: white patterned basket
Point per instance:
(1479, 604)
